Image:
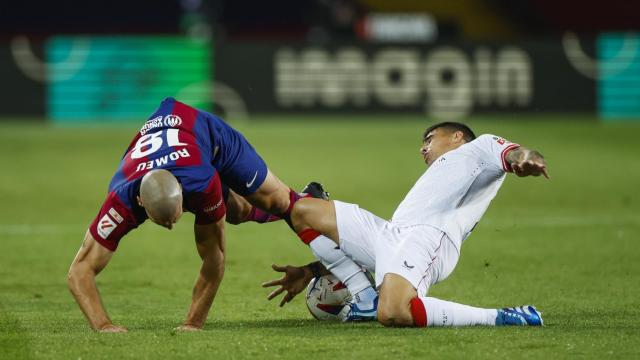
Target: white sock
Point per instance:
(334, 259)
(447, 313)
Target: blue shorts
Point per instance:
(239, 165)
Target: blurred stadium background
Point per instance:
(72, 61)
(337, 91)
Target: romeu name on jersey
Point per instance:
(176, 138)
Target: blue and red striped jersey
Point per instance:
(177, 138)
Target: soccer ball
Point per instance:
(326, 296)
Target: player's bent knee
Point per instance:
(394, 307)
(275, 203)
(233, 220)
(302, 214)
(311, 213)
(394, 314)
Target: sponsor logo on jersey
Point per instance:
(156, 122)
(214, 207)
(252, 180)
(105, 226)
(172, 120)
(114, 214)
(163, 160)
(501, 141)
(151, 124)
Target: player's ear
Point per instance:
(139, 201)
(458, 136)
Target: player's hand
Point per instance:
(110, 328)
(187, 328)
(294, 281)
(533, 164)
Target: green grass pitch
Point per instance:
(569, 245)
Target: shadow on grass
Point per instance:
(272, 324)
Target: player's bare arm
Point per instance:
(210, 243)
(527, 162)
(295, 279)
(89, 261)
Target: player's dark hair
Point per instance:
(452, 126)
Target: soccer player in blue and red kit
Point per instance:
(178, 161)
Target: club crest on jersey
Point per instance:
(105, 226)
(172, 120)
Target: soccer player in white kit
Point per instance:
(421, 244)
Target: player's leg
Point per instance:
(396, 294)
(244, 171)
(316, 224)
(274, 197)
(315, 214)
(403, 300)
(400, 305)
(240, 210)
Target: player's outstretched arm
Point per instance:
(527, 162)
(89, 261)
(295, 279)
(210, 243)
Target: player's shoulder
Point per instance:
(124, 190)
(489, 138)
(490, 141)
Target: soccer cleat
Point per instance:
(315, 190)
(519, 316)
(363, 307)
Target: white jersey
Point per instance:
(455, 191)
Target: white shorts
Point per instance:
(421, 254)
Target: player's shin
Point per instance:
(428, 311)
(335, 260)
(260, 216)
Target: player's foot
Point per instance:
(363, 307)
(316, 190)
(519, 316)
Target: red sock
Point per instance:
(308, 235)
(418, 312)
(260, 216)
(293, 197)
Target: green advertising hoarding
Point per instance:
(124, 78)
(619, 76)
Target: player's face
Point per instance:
(168, 223)
(437, 142)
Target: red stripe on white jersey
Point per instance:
(505, 165)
